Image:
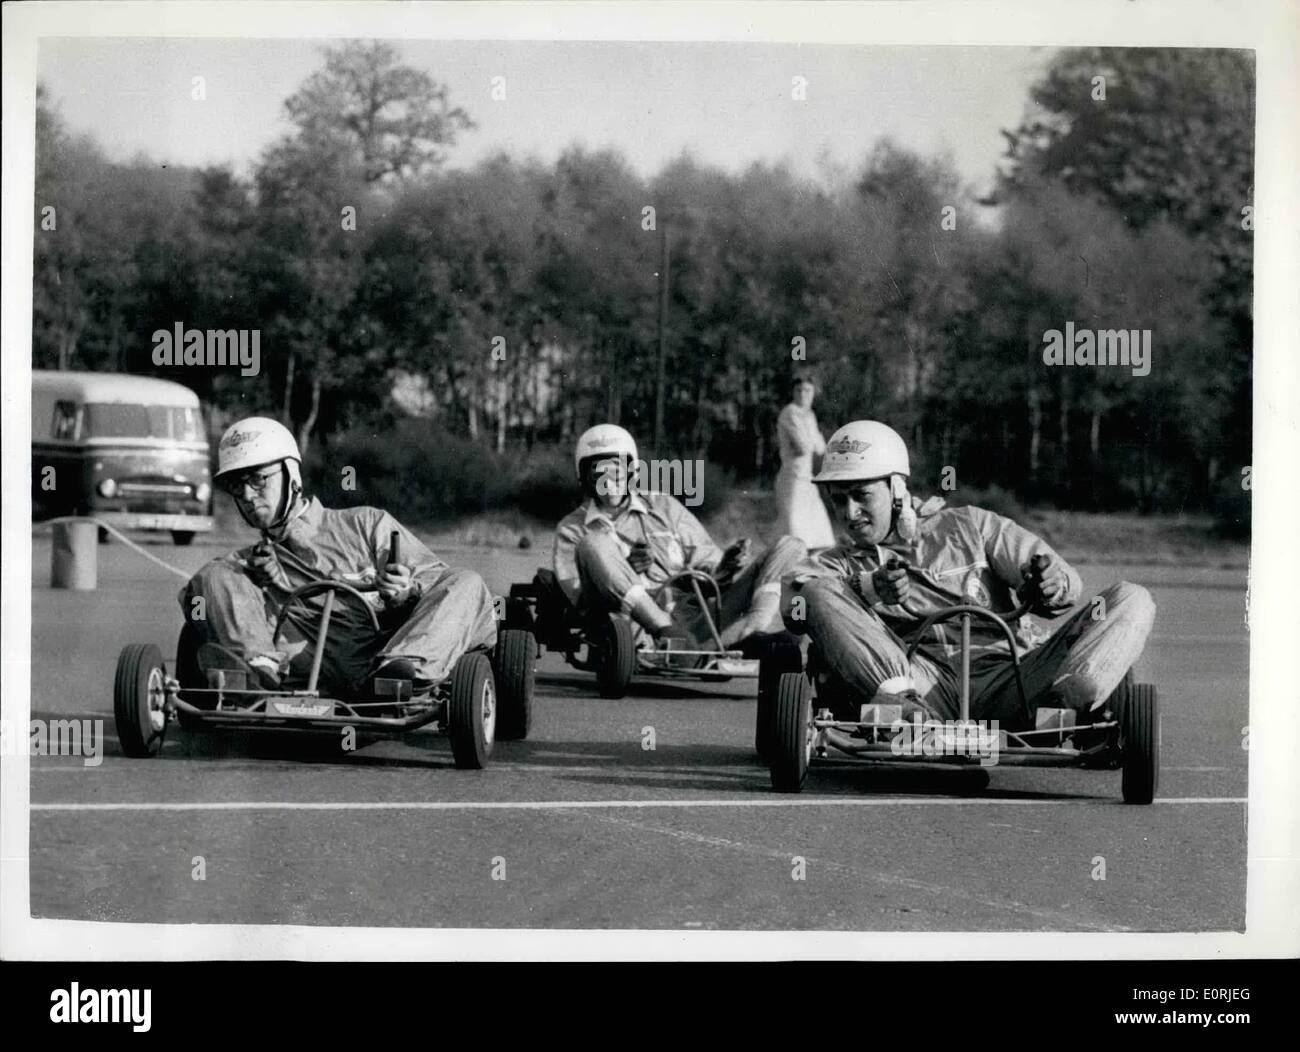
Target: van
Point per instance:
(130, 450)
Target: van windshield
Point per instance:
(121, 420)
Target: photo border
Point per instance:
(1270, 29)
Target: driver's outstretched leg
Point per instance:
(610, 583)
(751, 603)
(866, 655)
(1080, 664)
(453, 616)
(234, 619)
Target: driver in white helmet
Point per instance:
(429, 614)
(863, 602)
(619, 548)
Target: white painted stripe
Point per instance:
(570, 805)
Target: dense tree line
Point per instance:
(517, 302)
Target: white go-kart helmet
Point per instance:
(603, 440)
(259, 441)
(864, 450)
(254, 443)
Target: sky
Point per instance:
(726, 104)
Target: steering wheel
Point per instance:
(306, 591)
(948, 613)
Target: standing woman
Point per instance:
(799, 505)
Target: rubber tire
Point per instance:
(1120, 696)
(616, 663)
(182, 538)
(779, 654)
(1140, 742)
(514, 664)
(471, 746)
(135, 664)
(789, 760)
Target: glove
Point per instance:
(1045, 583)
(263, 567)
(395, 585)
(733, 560)
(891, 582)
(639, 558)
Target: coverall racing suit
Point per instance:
(449, 611)
(965, 555)
(591, 564)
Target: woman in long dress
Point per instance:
(802, 513)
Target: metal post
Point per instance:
(713, 629)
(965, 667)
(74, 556)
(320, 640)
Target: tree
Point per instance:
(1172, 141)
(362, 125)
(64, 167)
(398, 120)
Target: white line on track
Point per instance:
(944, 894)
(571, 805)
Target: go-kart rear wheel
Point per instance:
(138, 699)
(514, 664)
(615, 647)
(472, 711)
(1140, 744)
(777, 654)
(792, 738)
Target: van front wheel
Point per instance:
(182, 538)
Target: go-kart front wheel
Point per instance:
(514, 664)
(1140, 744)
(778, 654)
(615, 649)
(472, 711)
(792, 732)
(138, 699)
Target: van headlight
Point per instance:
(107, 488)
(202, 492)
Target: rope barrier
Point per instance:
(184, 575)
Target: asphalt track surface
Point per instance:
(591, 830)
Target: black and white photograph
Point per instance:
(693, 469)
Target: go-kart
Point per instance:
(607, 643)
(805, 711)
(488, 695)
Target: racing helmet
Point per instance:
(864, 450)
(603, 440)
(253, 443)
(258, 441)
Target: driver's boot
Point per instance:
(261, 671)
(667, 632)
(400, 668)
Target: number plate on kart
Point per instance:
(293, 707)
